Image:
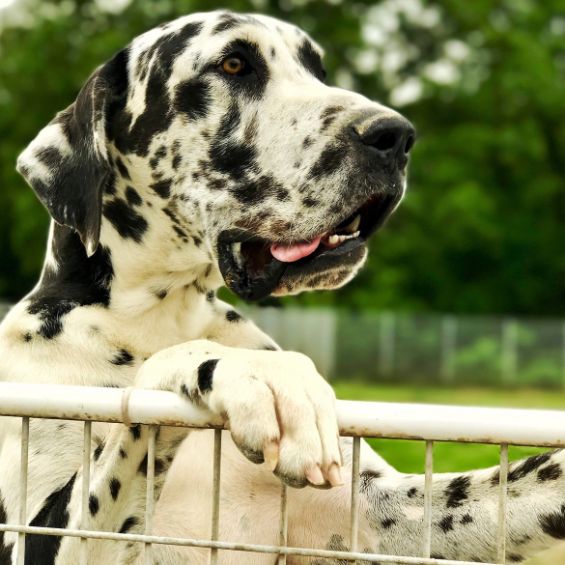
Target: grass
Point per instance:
(408, 456)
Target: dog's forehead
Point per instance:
(203, 35)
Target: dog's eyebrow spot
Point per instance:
(192, 97)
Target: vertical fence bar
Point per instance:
(387, 330)
(216, 495)
(87, 441)
(24, 450)
(354, 518)
(509, 352)
(428, 485)
(150, 491)
(502, 499)
(448, 345)
(283, 523)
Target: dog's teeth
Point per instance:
(334, 239)
(354, 225)
(236, 250)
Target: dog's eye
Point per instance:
(234, 65)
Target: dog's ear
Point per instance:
(67, 164)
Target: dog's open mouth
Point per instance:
(254, 267)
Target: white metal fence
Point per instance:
(427, 423)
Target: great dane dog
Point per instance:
(210, 151)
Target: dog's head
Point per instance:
(219, 129)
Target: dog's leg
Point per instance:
(464, 515)
(279, 410)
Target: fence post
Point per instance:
(387, 339)
(448, 346)
(509, 352)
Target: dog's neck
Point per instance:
(127, 276)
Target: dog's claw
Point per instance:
(315, 476)
(271, 455)
(334, 475)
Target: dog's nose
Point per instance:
(390, 137)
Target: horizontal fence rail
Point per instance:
(428, 423)
(543, 428)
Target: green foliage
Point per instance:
(481, 227)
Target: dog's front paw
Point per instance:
(279, 409)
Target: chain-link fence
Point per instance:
(481, 350)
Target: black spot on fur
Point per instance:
(412, 492)
(329, 161)
(41, 550)
(366, 478)
(457, 491)
(93, 504)
(137, 136)
(132, 196)
(122, 169)
(257, 190)
(307, 142)
(310, 202)
(177, 160)
(515, 558)
(233, 316)
(192, 97)
(466, 519)
(5, 549)
(227, 21)
(311, 60)
(162, 187)
(161, 294)
(123, 357)
(550, 473)
(553, 524)
(128, 524)
(388, 523)
(128, 223)
(27, 337)
(206, 375)
(524, 468)
(135, 431)
(123, 454)
(115, 487)
(78, 281)
(98, 451)
(446, 523)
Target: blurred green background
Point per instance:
(479, 235)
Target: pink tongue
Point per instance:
(291, 253)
